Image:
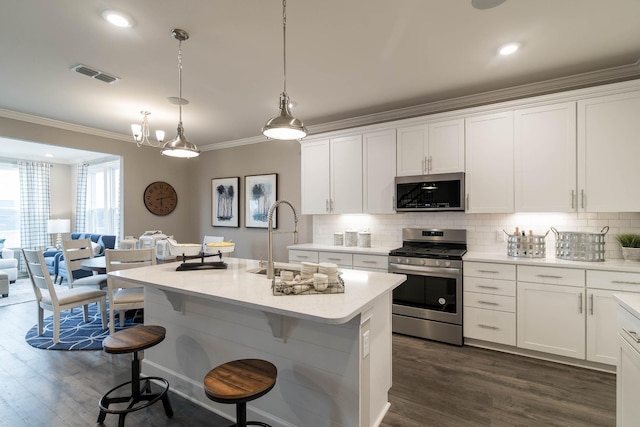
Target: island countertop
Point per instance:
(235, 285)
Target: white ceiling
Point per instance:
(345, 58)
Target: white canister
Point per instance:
(364, 239)
(351, 238)
(338, 239)
(129, 242)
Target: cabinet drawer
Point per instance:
(296, 256)
(629, 327)
(489, 325)
(613, 280)
(490, 286)
(489, 302)
(378, 262)
(551, 275)
(489, 270)
(342, 259)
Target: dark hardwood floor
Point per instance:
(433, 385)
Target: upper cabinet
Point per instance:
(545, 158)
(608, 153)
(331, 175)
(431, 148)
(379, 171)
(489, 163)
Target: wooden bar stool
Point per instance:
(134, 340)
(239, 382)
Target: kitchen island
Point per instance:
(333, 352)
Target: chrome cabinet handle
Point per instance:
(573, 199)
(591, 304)
(330, 205)
(467, 201)
(364, 261)
(488, 271)
(624, 282)
(430, 163)
(333, 259)
(548, 276)
(488, 303)
(580, 303)
(303, 256)
(493, 328)
(633, 335)
(488, 287)
(582, 197)
(326, 205)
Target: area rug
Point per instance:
(19, 292)
(75, 334)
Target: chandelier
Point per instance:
(284, 126)
(141, 132)
(179, 146)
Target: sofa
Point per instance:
(55, 259)
(9, 264)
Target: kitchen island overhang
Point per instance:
(319, 343)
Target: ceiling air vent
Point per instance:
(95, 74)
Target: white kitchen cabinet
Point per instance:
(342, 259)
(489, 301)
(298, 256)
(608, 152)
(628, 368)
(371, 262)
(551, 317)
(489, 163)
(545, 158)
(331, 175)
(379, 171)
(431, 148)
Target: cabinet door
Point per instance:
(314, 183)
(346, 175)
(551, 319)
(379, 163)
(411, 151)
(489, 163)
(627, 384)
(446, 147)
(608, 153)
(602, 345)
(545, 158)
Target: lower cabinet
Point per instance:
(601, 326)
(628, 369)
(354, 260)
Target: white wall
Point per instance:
(482, 229)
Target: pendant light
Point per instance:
(179, 146)
(284, 126)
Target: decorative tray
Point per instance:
(188, 266)
(304, 287)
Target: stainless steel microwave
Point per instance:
(425, 193)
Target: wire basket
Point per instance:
(531, 246)
(580, 246)
(304, 287)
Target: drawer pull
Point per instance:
(488, 287)
(333, 259)
(580, 303)
(364, 261)
(633, 335)
(493, 328)
(488, 302)
(488, 271)
(302, 256)
(549, 276)
(624, 282)
(591, 304)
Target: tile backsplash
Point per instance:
(484, 231)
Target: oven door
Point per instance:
(429, 293)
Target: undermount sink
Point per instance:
(277, 269)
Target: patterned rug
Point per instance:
(75, 334)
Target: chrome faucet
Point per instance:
(270, 263)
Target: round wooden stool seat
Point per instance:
(134, 340)
(239, 382)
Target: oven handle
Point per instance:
(424, 271)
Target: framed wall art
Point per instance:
(225, 194)
(260, 193)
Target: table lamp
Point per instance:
(58, 226)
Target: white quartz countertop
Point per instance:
(630, 301)
(380, 250)
(608, 265)
(235, 285)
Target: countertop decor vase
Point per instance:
(631, 254)
(630, 243)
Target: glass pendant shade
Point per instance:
(180, 147)
(284, 126)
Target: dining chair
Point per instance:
(123, 295)
(57, 300)
(75, 252)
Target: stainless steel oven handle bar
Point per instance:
(425, 271)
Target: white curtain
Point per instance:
(34, 204)
(81, 198)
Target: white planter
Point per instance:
(631, 254)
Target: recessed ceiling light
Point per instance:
(118, 19)
(509, 48)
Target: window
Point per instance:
(103, 198)
(10, 205)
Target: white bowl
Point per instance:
(188, 249)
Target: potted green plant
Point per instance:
(630, 243)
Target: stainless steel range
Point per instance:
(429, 303)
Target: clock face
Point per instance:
(160, 198)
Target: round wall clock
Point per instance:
(160, 198)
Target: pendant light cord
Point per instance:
(180, 82)
(284, 44)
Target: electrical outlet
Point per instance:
(365, 344)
